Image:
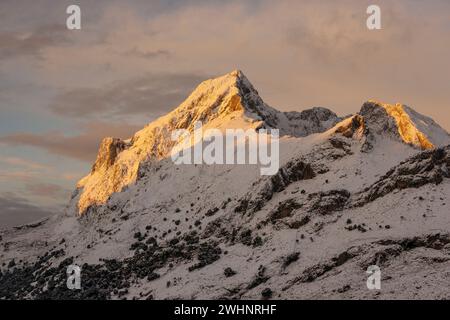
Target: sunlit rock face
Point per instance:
(108, 152)
(401, 122)
(406, 128)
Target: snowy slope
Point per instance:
(368, 189)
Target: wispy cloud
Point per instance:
(147, 95)
(69, 176)
(45, 189)
(8, 176)
(14, 44)
(20, 162)
(17, 211)
(82, 147)
(147, 54)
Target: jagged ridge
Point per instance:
(231, 101)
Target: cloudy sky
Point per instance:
(62, 90)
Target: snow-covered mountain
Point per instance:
(371, 188)
(229, 101)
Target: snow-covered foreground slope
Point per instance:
(369, 189)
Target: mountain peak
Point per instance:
(404, 123)
(237, 76)
(214, 102)
(218, 97)
(377, 120)
(237, 73)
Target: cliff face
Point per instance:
(107, 153)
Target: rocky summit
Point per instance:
(351, 192)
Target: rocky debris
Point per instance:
(291, 258)
(242, 206)
(241, 235)
(336, 149)
(360, 227)
(382, 256)
(424, 168)
(211, 212)
(246, 237)
(219, 227)
(41, 280)
(208, 253)
(212, 228)
(139, 236)
(136, 246)
(228, 272)
(267, 293)
(341, 144)
(257, 242)
(344, 288)
(284, 210)
(328, 202)
(293, 171)
(107, 279)
(12, 264)
(386, 249)
(379, 252)
(259, 278)
(287, 214)
(435, 241)
(225, 203)
(30, 225)
(152, 276)
(324, 153)
(299, 222)
(312, 273)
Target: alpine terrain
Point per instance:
(351, 192)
